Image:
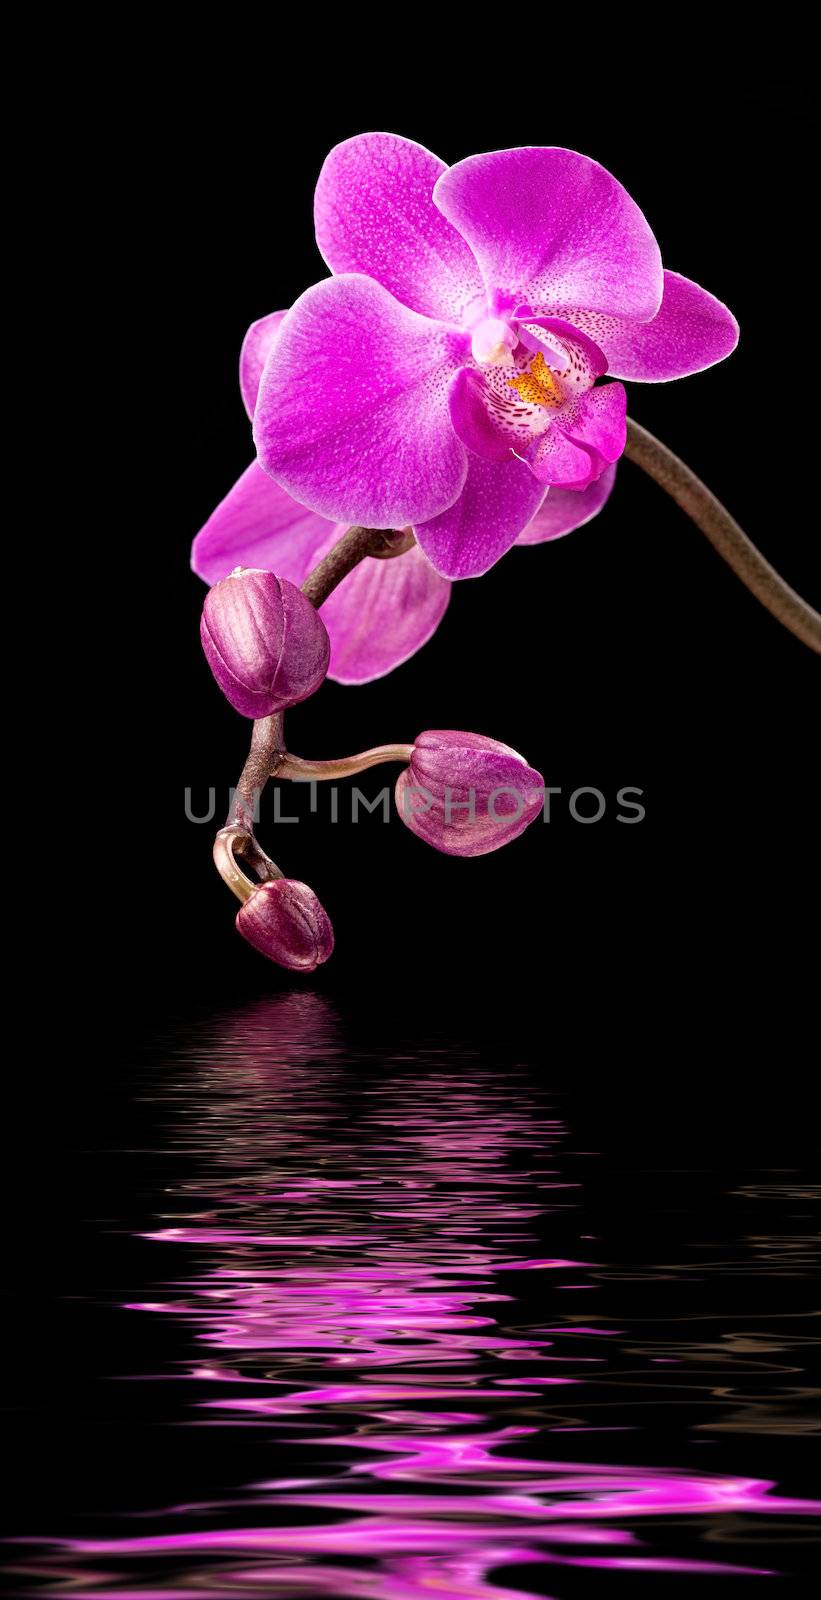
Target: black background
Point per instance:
(671, 952)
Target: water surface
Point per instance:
(469, 1356)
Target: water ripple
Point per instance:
(372, 1263)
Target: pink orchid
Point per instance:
(446, 376)
(434, 402)
(383, 611)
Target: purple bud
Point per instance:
(286, 922)
(467, 795)
(264, 642)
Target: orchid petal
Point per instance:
(598, 420)
(569, 345)
(563, 510)
(352, 415)
(258, 525)
(691, 330)
(256, 347)
(374, 214)
(496, 504)
(382, 613)
(554, 229)
(559, 460)
(469, 401)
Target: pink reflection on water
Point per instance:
(349, 1244)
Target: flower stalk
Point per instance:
(347, 553)
(267, 750)
(267, 755)
(346, 767)
(232, 842)
(724, 534)
(237, 838)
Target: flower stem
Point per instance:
(237, 838)
(232, 842)
(347, 553)
(347, 767)
(267, 754)
(263, 758)
(724, 534)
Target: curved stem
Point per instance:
(346, 767)
(237, 837)
(267, 753)
(232, 842)
(347, 553)
(263, 758)
(724, 534)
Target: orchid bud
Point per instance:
(467, 795)
(265, 644)
(284, 920)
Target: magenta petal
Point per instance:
(381, 614)
(599, 421)
(557, 460)
(352, 415)
(497, 502)
(467, 400)
(374, 214)
(562, 510)
(529, 331)
(554, 229)
(258, 525)
(692, 330)
(256, 347)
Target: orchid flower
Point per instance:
(383, 611)
(446, 376)
(434, 402)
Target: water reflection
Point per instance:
(371, 1285)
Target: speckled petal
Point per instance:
(691, 331)
(382, 613)
(256, 347)
(598, 421)
(482, 430)
(378, 617)
(553, 228)
(352, 415)
(258, 525)
(497, 502)
(374, 213)
(558, 460)
(562, 510)
(565, 346)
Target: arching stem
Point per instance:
(346, 767)
(347, 553)
(724, 534)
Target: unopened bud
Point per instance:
(284, 920)
(467, 795)
(265, 644)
